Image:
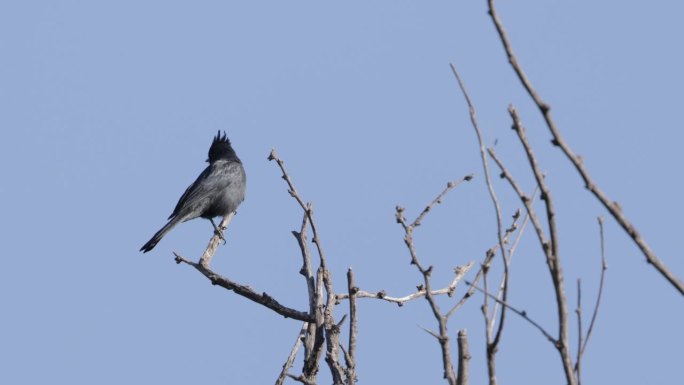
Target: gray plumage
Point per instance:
(218, 190)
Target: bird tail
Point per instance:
(159, 235)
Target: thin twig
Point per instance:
(293, 353)
(580, 333)
(612, 206)
(521, 313)
(526, 200)
(514, 247)
(490, 348)
(443, 336)
(561, 343)
(459, 272)
(307, 207)
(450, 186)
(430, 332)
(491, 343)
(489, 255)
(539, 177)
(604, 267)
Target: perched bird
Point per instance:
(218, 190)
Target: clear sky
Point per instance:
(107, 110)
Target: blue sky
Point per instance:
(107, 110)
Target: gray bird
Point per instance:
(218, 190)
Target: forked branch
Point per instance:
(558, 140)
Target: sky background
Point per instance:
(107, 110)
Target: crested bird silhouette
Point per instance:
(218, 190)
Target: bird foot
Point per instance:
(217, 230)
(220, 235)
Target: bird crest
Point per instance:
(221, 148)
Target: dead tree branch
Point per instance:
(489, 255)
(353, 328)
(205, 259)
(550, 249)
(521, 313)
(492, 343)
(584, 340)
(313, 338)
(293, 353)
(610, 205)
(324, 330)
(307, 207)
(443, 335)
(459, 273)
(463, 358)
(604, 267)
(245, 291)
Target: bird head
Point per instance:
(221, 149)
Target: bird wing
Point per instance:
(200, 189)
(200, 192)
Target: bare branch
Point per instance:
(315, 336)
(492, 343)
(552, 256)
(604, 267)
(539, 176)
(443, 336)
(612, 206)
(293, 353)
(332, 333)
(514, 247)
(306, 263)
(307, 207)
(489, 255)
(302, 379)
(324, 328)
(205, 259)
(430, 332)
(463, 358)
(580, 333)
(347, 358)
(408, 228)
(527, 201)
(311, 355)
(353, 328)
(459, 273)
(521, 313)
(491, 348)
(247, 292)
(450, 186)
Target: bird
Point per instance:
(218, 190)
